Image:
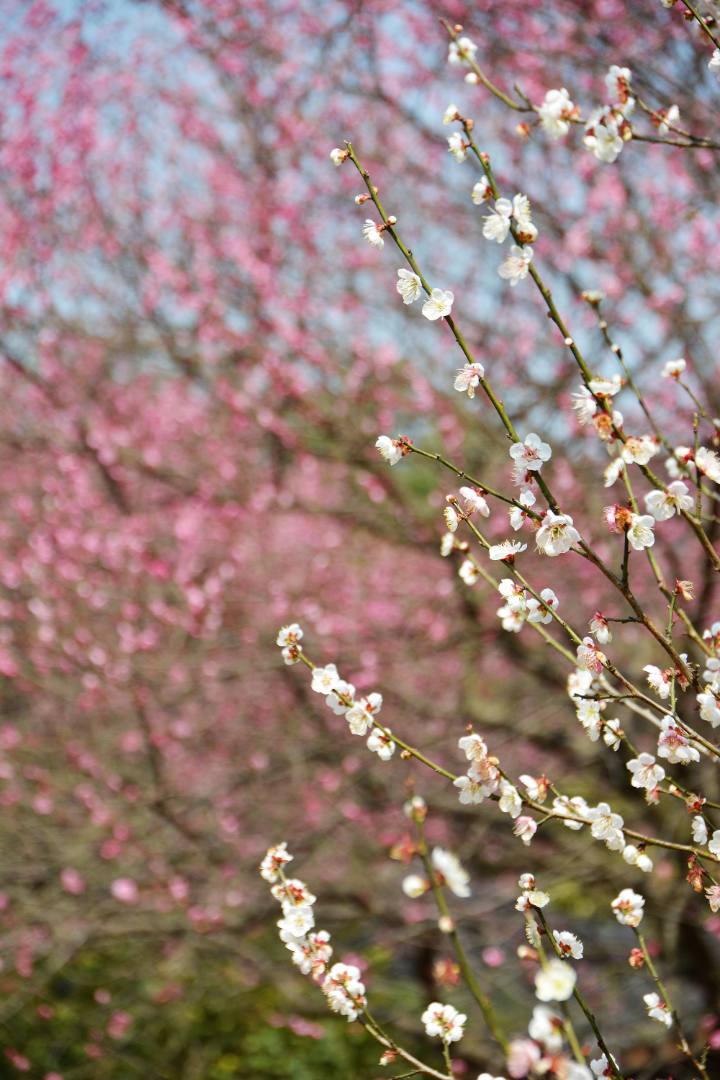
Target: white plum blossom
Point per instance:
(462, 51)
(530, 455)
(452, 520)
(468, 572)
(617, 82)
(714, 844)
(337, 156)
(508, 549)
(380, 742)
(634, 857)
(408, 285)
(517, 265)
(584, 404)
(673, 369)
(613, 471)
(340, 698)
(663, 504)
(451, 113)
(575, 806)
(579, 683)
(628, 907)
(453, 874)
(599, 629)
(289, 635)
(709, 707)
(373, 233)
(708, 463)
(639, 449)
(312, 953)
(438, 304)
(444, 1022)
(612, 734)
(324, 679)
(414, 886)
(673, 744)
(474, 501)
(640, 533)
(344, 990)
(525, 828)
(497, 222)
(568, 944)
(556, 534)
(275, 858)
(555, 982)
(447, 544)
(360, 715)
(547, 1027)
(589, 714)
(457, 146)
(540, 611)
(468, 378)
(657, 1009)
(646, 773)
(714, 63)
(481, 191)
(518, 514)
(590, 656)
(602, 136)
(601, 1067)
(391, 450)
(606, 825)
(297, 921)
(659, 681)
(555, 113)
(699, 830)
(606, 386)
(510, 801)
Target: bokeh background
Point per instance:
(197, 352)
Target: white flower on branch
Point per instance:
(468, 378)
(468, 572)
(555, 981)
(525, 828)
(708, 463)
(391, 450)
(673, 745)
(634, 857)
(451, 872)
(602, 136)
(628, 907)
(361, 714)
(556, 112)
(657, 1009)
(606, 825)
(380, 742)
(275, 858)
(584, 404)
(547, 1027)
(531, 454)
(444, 1022)
(640, 532)
(556, 535)
(414, 886)
(663, 504)
(709, 707)
(497, 222)
(408, 285)
(508, 549)
(462, 51)
(673, 369)
(344, 990)
(337, 156)
(540, 611)
(324, 679)
(450, 114)
(457, 146)
(639, 449)
(473, 501)
(568, 944)
(438, 304)
(617, 82)
(481, 191)
(699, 830)
(646, 773)
(516, 265)
(373, 233)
